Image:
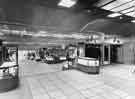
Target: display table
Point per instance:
(8, 76)
(88, 65)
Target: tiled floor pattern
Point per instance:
(121, 70)
(120, 77)
(43, 81)
(32, 68)
(74, 85)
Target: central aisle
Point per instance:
(32, 68)
(47, 81)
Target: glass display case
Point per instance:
(8, 67)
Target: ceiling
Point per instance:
(44, 15)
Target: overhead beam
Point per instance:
(130, 12)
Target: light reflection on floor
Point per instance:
(43, 81)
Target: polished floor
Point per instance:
(43, 81)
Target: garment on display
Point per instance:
(48, 55)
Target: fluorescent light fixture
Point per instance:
(102, 2)
(114, 4)
(111, 5)
(114, 15)
(125, 6)
(67, 3)
(132, 14)
(128, 10)
(133, 21)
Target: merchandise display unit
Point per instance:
(89, 58)
(9, 68)
(92, 55)
(89, 65)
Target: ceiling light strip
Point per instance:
(123, 7)
(107, 3)
(133, 21)
(122, 4)
(113, 4)
(114, 15)
(127, 9)
(67, 3)
(130, 12)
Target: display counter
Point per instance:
(89, 65)
(8, 76)
(8, 64)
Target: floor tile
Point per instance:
(41, 80)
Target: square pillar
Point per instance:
(102, 54)
(109, 54)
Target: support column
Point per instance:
(3, 53)
(109, 54)
(17, 55)
(103, 54)
(81, 51)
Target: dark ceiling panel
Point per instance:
(45, 15)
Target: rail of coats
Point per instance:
(51, 55)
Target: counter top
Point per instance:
(8, 64)
(88, 61)
(87, 58)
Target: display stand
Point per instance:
(88, 65)
(9, 68)
(89, 58)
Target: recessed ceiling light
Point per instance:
(133, 21)
(114, 15)
(67, 3)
